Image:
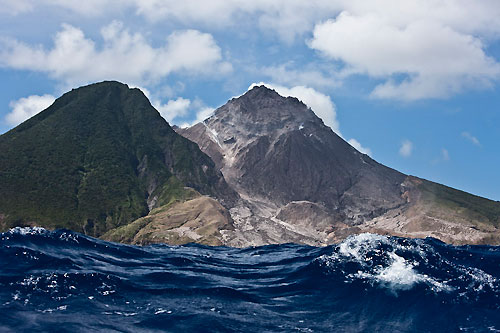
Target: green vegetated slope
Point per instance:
(126, 233)
(447, 202)
(94, 160)
(192, 218)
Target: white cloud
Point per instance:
(176, 110)
(203, 114)
(406, 148)
(417, 49)
(286, 74)
(89, 8)
(287, 18)
(430, 49)
(15, 7)
(123, 56)
(86, 8)
(471, 138)
(445, 155)
(355, 143)
(27, 107)
(173, 108)
(292, 18)
(418, 56)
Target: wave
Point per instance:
(65, 281)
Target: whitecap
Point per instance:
(28, 231)
(392, 271)
(400, 275)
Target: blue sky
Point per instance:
(414, 84)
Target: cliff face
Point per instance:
(101, 156)
(300, 182)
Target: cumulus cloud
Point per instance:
(26, 107)
(406, 148)
(15, 7)
(176, 110)
(173, 108)
(124, 56)
(415, 49)
(287, 74)
(287, 18)
(202, 114)
(87, 8)
(355, 143)
(471, 138)
(419, 57)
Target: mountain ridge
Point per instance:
(280, 157)
(263, 169)
(100, 156)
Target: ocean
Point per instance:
(62, 281)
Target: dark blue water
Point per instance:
(66, 282)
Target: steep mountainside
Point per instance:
(300, 182)
(101, 156)
(263, 169)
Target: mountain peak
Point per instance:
(101, 86)
(100, 156)
(104, 88)
(261, 111)
(300, 182)
(261, 91)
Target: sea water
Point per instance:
(62, 281)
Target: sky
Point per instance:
(414, 84)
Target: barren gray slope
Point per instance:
(275, 152)
(300, 182)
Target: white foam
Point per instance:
(30, 281)
(479, 278)
(400, 275)
(68, 237)
(28, 231)
(357, 246)
(59, 308)
(395, 273)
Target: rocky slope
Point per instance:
(100, 157)
(263, 169)
(300, 182)
(197, 219)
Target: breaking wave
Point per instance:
(65, 281)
